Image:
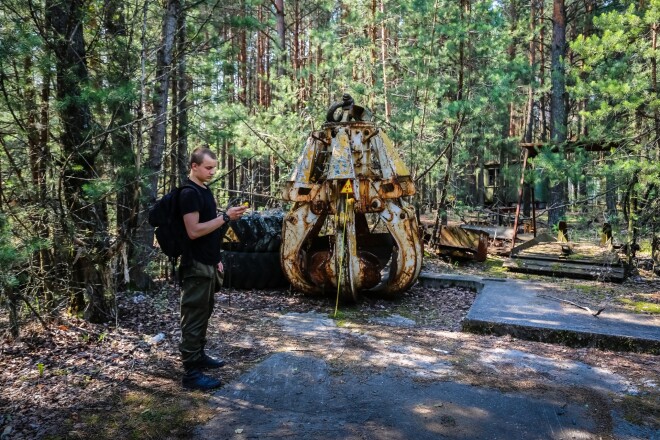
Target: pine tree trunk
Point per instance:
(154, 166)
(383, 54)
(543, 102)
(260, 62)
(182, 102)
(588, 31)
(170, 174)
(529, 121)
(281, 35)
(121, 63)
(654, 88)
(296, 49)
(86, 220)
(442, 200)
(511, 51)
(38, 160)
(242, 63)
(558, 192)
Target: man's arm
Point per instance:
(195, 229)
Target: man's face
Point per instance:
(204, 171)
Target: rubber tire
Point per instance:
(253, 270)
(257, 232)
(254, 261)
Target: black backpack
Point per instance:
(166, 217)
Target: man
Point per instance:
(201, 269)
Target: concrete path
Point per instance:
(398, 391)
(518, 308)
(298, 397)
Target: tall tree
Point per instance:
(558, 121)
(122, 62)
(85, 215)
(183, 86)
(281, 35)
(154, 165)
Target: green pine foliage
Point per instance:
(618, 81)
(454, 76)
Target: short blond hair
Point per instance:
(197, 156)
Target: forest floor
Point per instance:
(121, 380)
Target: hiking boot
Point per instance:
(196, 380)
(207, 362)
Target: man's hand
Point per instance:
(221, 268)
(236, 212)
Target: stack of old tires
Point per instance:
(253, 261)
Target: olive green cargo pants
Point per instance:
(199, 284)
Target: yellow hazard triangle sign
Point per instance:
(348, 188)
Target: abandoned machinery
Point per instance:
(350, 229)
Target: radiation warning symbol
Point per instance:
(348, 188)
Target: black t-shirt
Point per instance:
(205, 249)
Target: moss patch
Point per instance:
(494, 268)
(587, 288)
(641, 306)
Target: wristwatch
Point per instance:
(225, 217)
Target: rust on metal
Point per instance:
(456, 242)
(350, 229)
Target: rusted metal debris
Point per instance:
(463, 244)
(350, 230)
(565, 301)
(545, 255)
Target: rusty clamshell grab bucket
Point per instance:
(350, 229)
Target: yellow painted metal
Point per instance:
(347, 188)
(400, 168)
(347, 171)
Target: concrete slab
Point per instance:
(514, 307)
(299, 396)
(392, 392)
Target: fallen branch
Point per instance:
(595, 314)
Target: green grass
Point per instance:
(642, 306)
(493, 268)
(645, 246)
(593, 291)
(586, 288)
